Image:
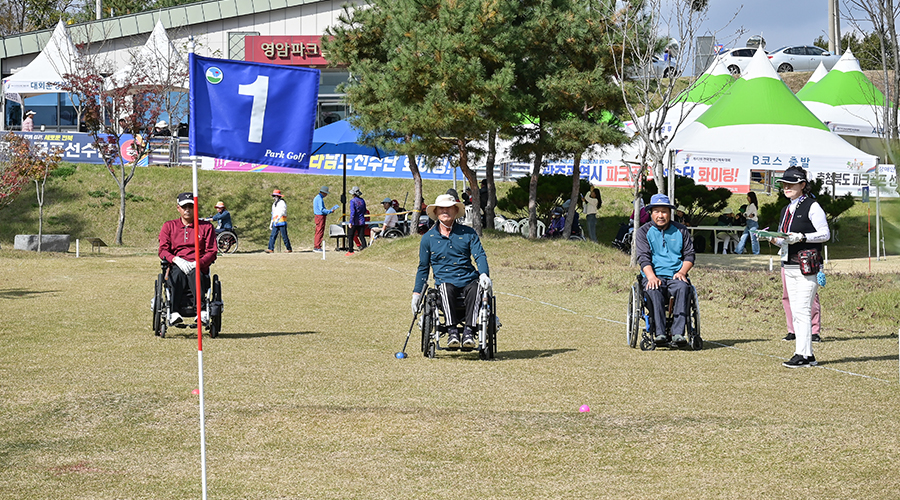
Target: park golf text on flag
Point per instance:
(252, 112)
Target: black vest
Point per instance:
(799, 223)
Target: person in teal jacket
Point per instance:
(448, 249)
(665, 254)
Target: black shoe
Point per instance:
(816, 337)
(661, 339)
(468, 340)
(799, 361)
(790, 336)
(453, 340)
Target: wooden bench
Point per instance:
(96, 243)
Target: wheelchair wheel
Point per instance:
(215, 305)
(576, 237)
(158, 298)
(392, 233)
(227, 242)
(428, 317)
(694, 322)
(490, 333)
(633, 317)
(647, 344)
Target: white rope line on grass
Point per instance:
(710, 341)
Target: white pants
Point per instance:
(801, 292)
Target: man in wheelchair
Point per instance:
(176, 246)
(448, 249)
(665, 253)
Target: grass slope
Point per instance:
(304, 398)
(86, 205)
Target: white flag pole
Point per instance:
(199, 309)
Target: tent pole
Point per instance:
(344, 193)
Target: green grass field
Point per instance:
(305, 400)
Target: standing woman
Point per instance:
(592, 203)
(752, 223)
(807, 228)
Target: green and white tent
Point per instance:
(759, 124)
(691, 103)
(817, 75)
(846, 100)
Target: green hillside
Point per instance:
(85, 205)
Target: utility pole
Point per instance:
(834, 26)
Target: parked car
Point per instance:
(737, 60)
(801, 58)
(658, 67)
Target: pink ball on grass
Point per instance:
(584, 409)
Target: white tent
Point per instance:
(760, 124)
(846, 100)
(817, 75)
(157, 62)
(45, 73)
(691, 103)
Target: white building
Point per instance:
(276, 31)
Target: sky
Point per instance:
(781, 22)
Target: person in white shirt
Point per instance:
(28, 122)
(390, 219)
(752, 216)
(592, 203)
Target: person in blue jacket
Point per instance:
(448, 250)
(665, 254)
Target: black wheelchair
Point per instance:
(227, 241)
(435, 327)
(162, 306)
(639, 310)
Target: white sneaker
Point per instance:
(174, 318)
(204, 317)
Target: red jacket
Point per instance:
(177, 240)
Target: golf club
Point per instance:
(402, 353)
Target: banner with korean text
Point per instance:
(252, 112)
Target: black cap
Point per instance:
(793, 175)
(185, 199)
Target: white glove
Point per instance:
(792, 238)
(484, 281)
(415, 302)
(183, 264)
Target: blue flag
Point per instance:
(252, 112)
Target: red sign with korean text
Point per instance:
(288, 50)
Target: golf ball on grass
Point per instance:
(584, 409)
(400, 355)
(195, 392)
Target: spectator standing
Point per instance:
(278, 224)
(806, 226)
(357, 219)
(319, 214)
(28, 122)
(483, 195)
(592, 204)
(752, 216)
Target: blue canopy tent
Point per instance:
(342, 138)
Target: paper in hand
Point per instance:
(760, 233)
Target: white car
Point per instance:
(657, 68)
(801, 58)
(737, 60)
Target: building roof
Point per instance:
(143, 22)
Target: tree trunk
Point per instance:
(532, 187)
(473, 182)
(576, 187)
(489, 175)
(417, 196)
(40, 197)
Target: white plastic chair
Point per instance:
(511, 226)
(523, 227)
(499, 220)
(541, 229)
